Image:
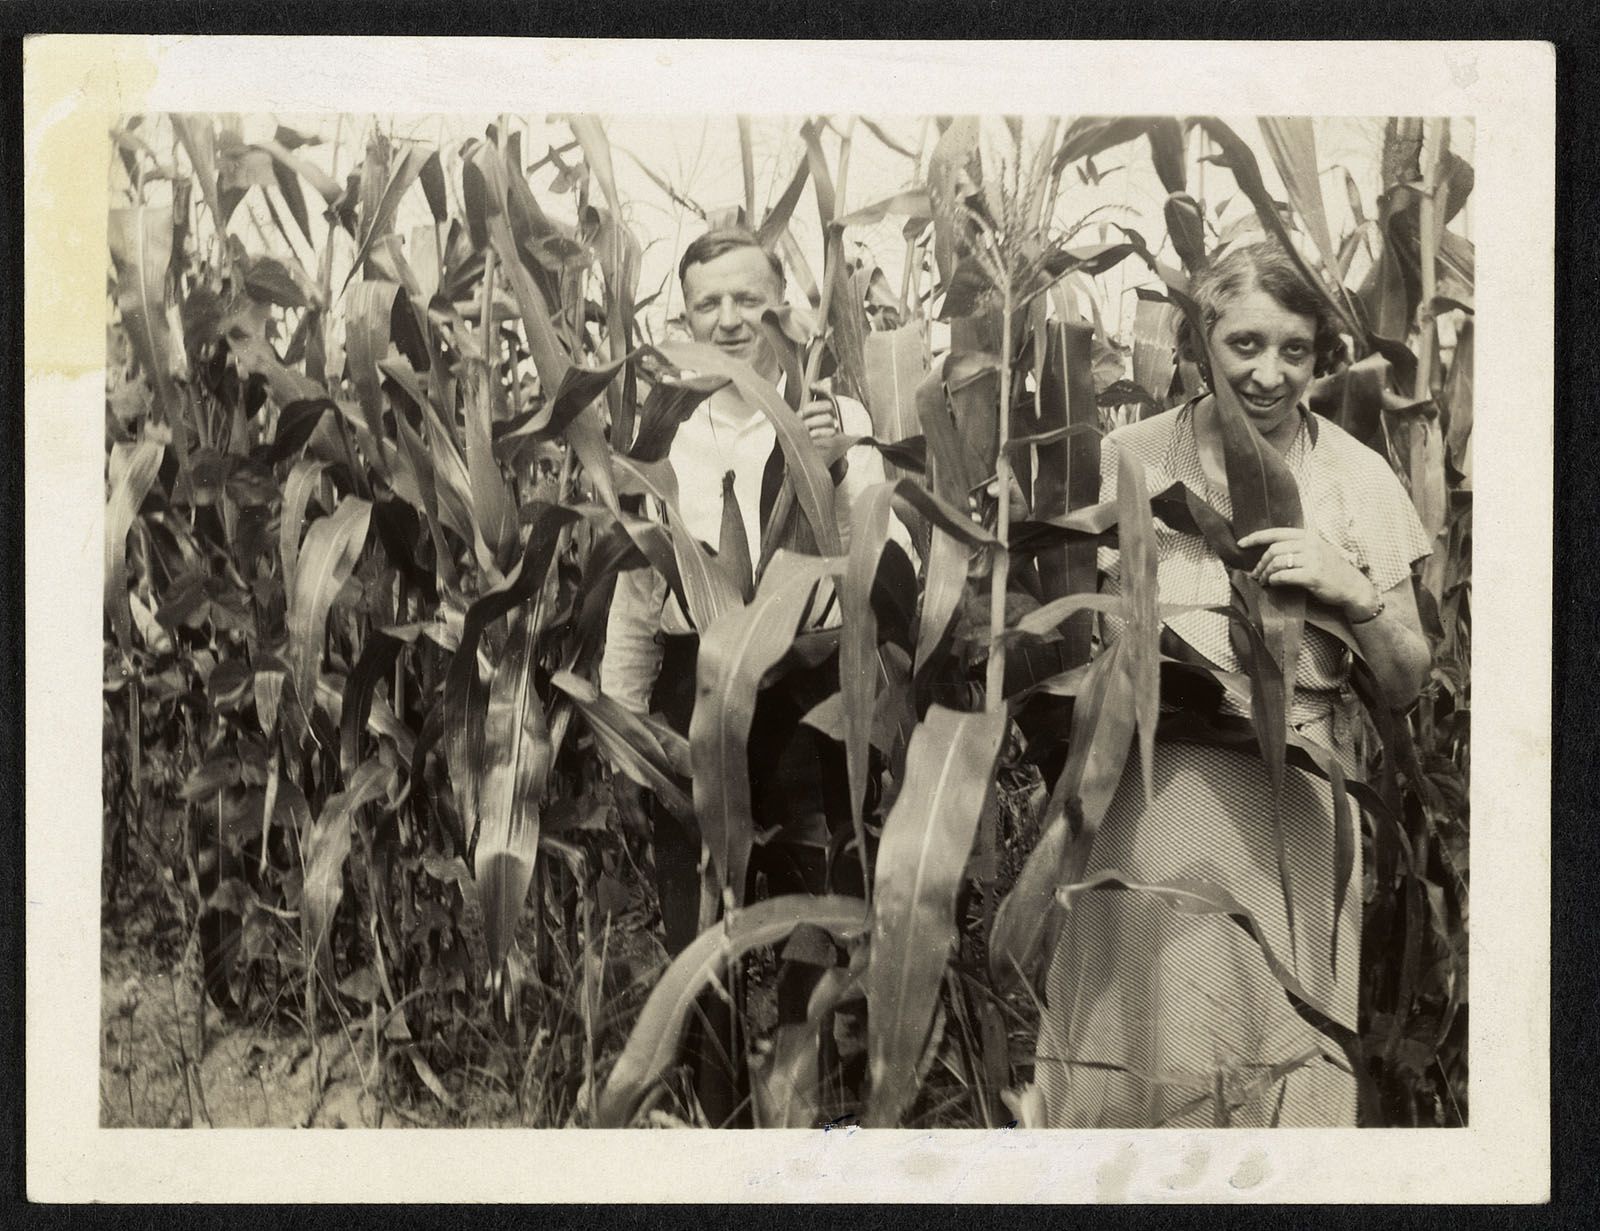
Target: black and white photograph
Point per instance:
(933, 617)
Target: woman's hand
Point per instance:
(1298, 557)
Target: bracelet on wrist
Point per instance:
(1372, 614)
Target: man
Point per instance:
(723, 457)
(728, 282)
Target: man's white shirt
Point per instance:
(724, 433)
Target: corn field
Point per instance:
(381, 416)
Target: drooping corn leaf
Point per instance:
(1353, 397)
(141, 251)
(812, 484)
(325, 853)
(132, 469)
(1292, 142)
(972, 383)
(672, 399)
(326, 559)
(378, 213)
(493, 507)
(950, 470)
(198, 136)
(1103, 724)
(465, 696)
(1186, 228)
(858, 648)
(516, 762)
(1142, 633)
(591, 135)
(1203, 898)
(1237, 157)
(707, 589)
(652, 1047)
(1155, 356)
(628, 742)
(544, 345)
(1271, 697)
(941, 597)
(378, 657)
(949, 183)
(415, 481)
(735, 652)
(1046, 619)
(1458, 401)
(912, 204)
(776, 223)
(368, 311)
(296, 423)
(895, 363)
(921, 860)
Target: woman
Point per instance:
(1161, 1018)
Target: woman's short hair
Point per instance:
(720, 240)
(1262, 265)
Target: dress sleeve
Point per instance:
(632, 656)
(1389, 537)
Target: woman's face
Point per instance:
(1266, 353)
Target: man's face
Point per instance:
(724, 299)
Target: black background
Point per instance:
(1575, 837)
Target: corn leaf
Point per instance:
(783, 1082)
(1155, 356)
(707, 589)
(493, 507)
(945, 583)
(549, 359)
(921, 860)
(296, 495)
(325, 562)
(378, 657)
(378, 220)
(1292, 142)
(197, 134)
(1236, 156)
(368, 310)
(858, 649)
(1458, 401)
(516, 763)
(776, 223)
(141, 251)
(894, 364)
(327, 848)
(653, 1046)
(949, 183)
(1353, 397)
(591, 135)
(628, 742)
(735, 652)
(913, 204)
(132, 470)
(1195, 897)
(812, 484)
(465, 697)
(672, 399)
(1143, 631)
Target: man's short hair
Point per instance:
(721, 240)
